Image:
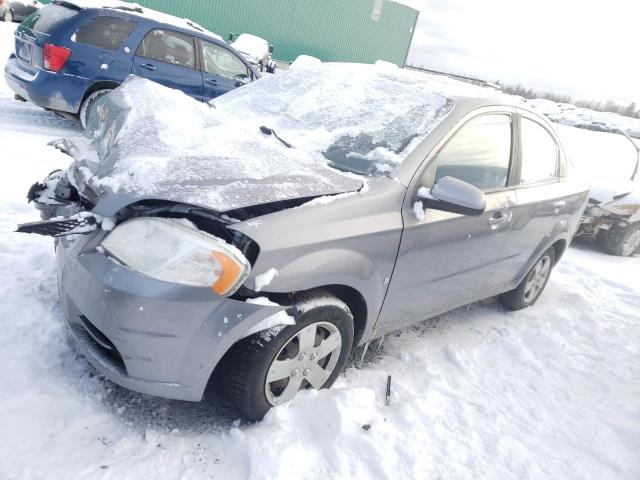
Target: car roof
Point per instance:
(135, 10)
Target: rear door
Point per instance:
(222, 70)
(169, 58)
(541, 189)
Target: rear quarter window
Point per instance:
(104, 32)
(48, 18)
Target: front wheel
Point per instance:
(531, 287)
(267, 369)
(621, 241)
(7, 16)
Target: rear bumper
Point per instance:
(53, 91)
(165, 339)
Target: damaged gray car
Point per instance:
(252, 243)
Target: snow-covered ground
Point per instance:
(549, 392)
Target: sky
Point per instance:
(589, 49)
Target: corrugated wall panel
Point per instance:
(332, 30)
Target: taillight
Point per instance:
(55, 57)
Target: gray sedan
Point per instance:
(255, 245)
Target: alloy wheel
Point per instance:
(538, 279)
(306, 360)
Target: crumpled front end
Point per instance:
(622, 211)
(152, 336)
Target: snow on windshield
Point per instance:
(154, 141)
(363, 118)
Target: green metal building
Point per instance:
(332, 30)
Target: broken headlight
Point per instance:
(174, 251)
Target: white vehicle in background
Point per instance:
(612, 217)
(255, 50)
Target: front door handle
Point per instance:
(212, 81)
(148, 66)
(559, 206)
(498, 219)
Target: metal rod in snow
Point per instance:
(388, 396)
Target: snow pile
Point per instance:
(570, 115)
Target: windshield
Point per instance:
(360, 118)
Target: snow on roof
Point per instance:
(158, 142)
(251, 45)
(137, 9)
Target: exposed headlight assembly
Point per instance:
(171, 251)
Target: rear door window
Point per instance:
(220, 61)
(169, 47)
(539, 153)
(48, 18)
(105, 32)
(479, 153)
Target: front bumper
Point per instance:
(146, 335)
(53, 91)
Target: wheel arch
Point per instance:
(94, 87)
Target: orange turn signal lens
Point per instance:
(229, 275)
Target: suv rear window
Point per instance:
(105, 32)
(48, 18)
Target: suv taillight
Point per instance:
(55, 57)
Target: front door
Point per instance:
(169, 58)
(447, 259)
(222, 70)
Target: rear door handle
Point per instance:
(212, 81)
(498, 219)
(148, 66)
(559, 206)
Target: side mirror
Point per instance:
(270, 48)
(452, 195)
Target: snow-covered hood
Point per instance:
(148, 141)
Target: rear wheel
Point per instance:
(621, 241)
(89, 105)
(7, 16)
(263, 371)
(533, 284)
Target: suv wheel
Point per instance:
(88, 105)
(533, 284)
(263, 371)
(7, 16)
(621, 241)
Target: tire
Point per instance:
(7, 16)
(621, 241)
(87, 104)
(530, 288)
(243, 379)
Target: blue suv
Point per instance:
(67, 56)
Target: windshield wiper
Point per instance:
(271, 131)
